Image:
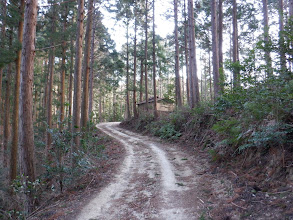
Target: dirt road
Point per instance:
(155, 181)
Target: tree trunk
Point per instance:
(177, 76)
(141, 81)
(281, 37)
(26, 132)
(221, 68)
(70, 83)
(154, 65)
(267, 39)
(186, 56)
(86, 66)
(215, 48)
(63, 69)
(127, 110)
(146, 55)
(134, 62)
(15, 121)
(6, 126)
(6, 132)
(3, 33)
(194, 89)
(236, 73)
(77, 81)
(91, 82)
(50, 88)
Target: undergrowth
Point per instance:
(259, 117)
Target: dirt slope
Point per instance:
(157, 181)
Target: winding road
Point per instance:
(155, 181)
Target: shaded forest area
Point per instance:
(227, 70)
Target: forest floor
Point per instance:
(148, 178)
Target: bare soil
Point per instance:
(146, 178)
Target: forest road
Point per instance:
(155, 181)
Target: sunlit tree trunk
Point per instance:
(194, 88)
(91, 82)
(26, 132)
(177, 76)
(77, 80)
(186, 55)
(86, 65)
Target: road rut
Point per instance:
(155, 181)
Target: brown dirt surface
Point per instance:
(146, 178)
(68, 204)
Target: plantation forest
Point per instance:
(146, 109)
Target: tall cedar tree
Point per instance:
(63, 67)
(193, 80)
(26, 132)
(268, 59)
(215, 48)
(15, 121)
(146, 55)
(154, 64)
(86, 65)
(77, 80)
(91, 82)
(135, 113)
(127, 107)
(51, 82)
(3, 35)
(177, 76)
(186, 55)
(236, 73)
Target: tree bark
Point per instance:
(281, 37)
(236, 73)
(15, 121)
(6, 132)
(194, 89)
(146, 55)
(267, 39)
(77, 80)
(86, 65)
(50, 88)
(186, 55)
(135, 113)
(63, 68)
(26, 132)
(177, 76)
(70, 83)
(127, 110)
(91, 82)
(154, 65)
(141, 81)
(215, 48)
(3, 33)
(221, 68)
